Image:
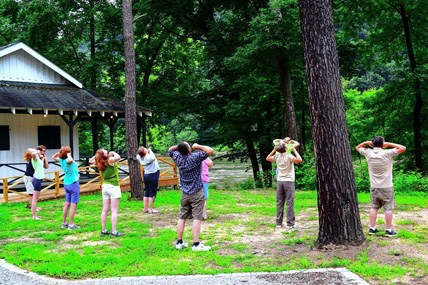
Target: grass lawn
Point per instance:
(240, 228)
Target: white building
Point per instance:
(41, 104)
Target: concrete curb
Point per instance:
(10, 274)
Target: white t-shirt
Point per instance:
(380, 166)
(285, 166)
(149, 162)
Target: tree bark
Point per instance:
(339, 218)
(92, 40)
(417, 108)
(253, 157)
(287, 93)
(130, 102)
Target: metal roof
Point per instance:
(46, 98)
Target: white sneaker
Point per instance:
(181, 245)
(201, 247)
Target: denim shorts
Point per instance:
(72, 193)
(37, 184)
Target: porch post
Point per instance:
(70, 123)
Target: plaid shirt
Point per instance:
(190, 166)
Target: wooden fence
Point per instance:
(90, 181)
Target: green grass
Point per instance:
(241, 230)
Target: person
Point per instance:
(285, 182)
(107, 164)
(28, 176)
(206, 164)
(192, 198)
(147, 158)
(71, 185)
(379, 155)
(38, 161)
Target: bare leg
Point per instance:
(114, 211)
(104, 213)
(196, 229)
(30, 199)
(373, 217)
(65, 212)
(34, 204)
(151, 203)
(146, 202)
(180, 228)
(388, 219)
(72, 212)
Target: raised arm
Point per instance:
(400, 148)
(297, 158)
(173, 148)
(271, 156)
(92, 160)
(209, 162)
(204, 148)
(364, 145)
(69, 158)
(55, 157)
(113, 157)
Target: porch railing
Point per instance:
(92, 182)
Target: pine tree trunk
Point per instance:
(287, 93)
(130, 102)
(339, 218)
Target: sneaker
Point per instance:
(280, 226)
(64, 225)
(36, 218)
(204, 216)
(105, 233)
(201, 247)
(73, 227)
(293, 227)
(181, 245)
(373, 231)
(390, 233)
(117, 234)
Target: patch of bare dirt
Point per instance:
(269, 242)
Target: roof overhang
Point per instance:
(50, 99)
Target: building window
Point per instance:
(4, 138)
(50, 136)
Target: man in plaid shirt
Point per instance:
(192, 200)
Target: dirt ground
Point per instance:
(381, 250)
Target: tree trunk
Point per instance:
(92, 40)
(253, 157)
(130, 102)
(287, 93)
(94, 125)
(417, 108)
(339, 218)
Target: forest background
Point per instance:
(231, 74)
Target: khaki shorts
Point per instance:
(382, 197)
(111, 191)
(28, 181)
(192, 205)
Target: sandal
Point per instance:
(154, 211)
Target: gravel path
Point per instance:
(10, 274)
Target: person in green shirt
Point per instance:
(39, 162)
(107, 164)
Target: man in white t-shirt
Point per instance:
(285, 187)
(379, 157)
